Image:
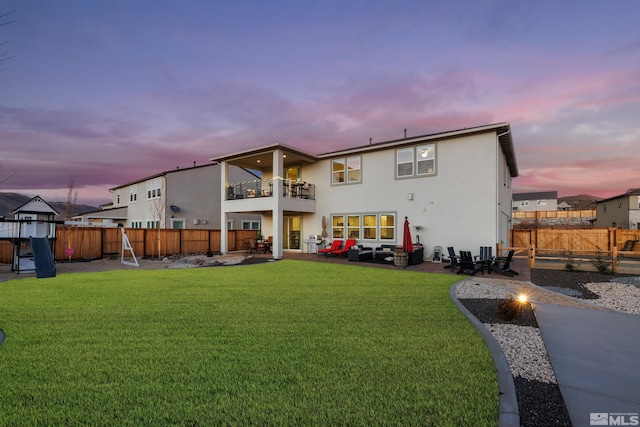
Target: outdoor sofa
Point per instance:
(383, 252)
(359, 253)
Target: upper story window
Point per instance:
(524, 203)
(346, 170)
(542, 202)
(154, 188)
(416, 161)
(133, 194)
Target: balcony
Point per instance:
(264, 188)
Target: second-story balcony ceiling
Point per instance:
(262, 157)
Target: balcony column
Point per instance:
(278, 173)
(224, 233)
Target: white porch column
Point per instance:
(278, 174)
(224, 234)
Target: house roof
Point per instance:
(630, 192)
(161, 174)
(262, 155)
(535, 195)
(35, 205)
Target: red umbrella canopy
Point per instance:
(407, 245)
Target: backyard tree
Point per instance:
(5, 19)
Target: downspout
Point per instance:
(498, 213)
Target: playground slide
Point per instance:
(43, 258)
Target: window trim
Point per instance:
(342, 231)
(346, 172)
(415, 161)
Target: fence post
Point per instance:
(532, 256)
(614, 258)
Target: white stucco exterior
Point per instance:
(465, 202)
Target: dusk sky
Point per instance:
(106, 92)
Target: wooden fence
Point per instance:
(613, 244)
(584, 213)
(97, 242)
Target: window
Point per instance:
(353, 226)
(230, 225)
(251, 225)
(136, 224)
(524, 203)
(369, 227)
(337, 171)
(153, 188)
(178, 224)
(405, 162)
(387, 227)
(619, 203)
(416, 161)
(604, 206)
(353, 169)
(337, 226)
(118, 199)
(542, 202)
(347, 170)
(133, 194)
(426, 159)
(153, 224)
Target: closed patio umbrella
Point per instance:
(407, 245)
(324, 227)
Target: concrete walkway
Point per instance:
(596, 358)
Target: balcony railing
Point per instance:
(264, 188)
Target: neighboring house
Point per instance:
(535, 201)
(454, 187)
(107, 214)
(174, 199)
(621, 211)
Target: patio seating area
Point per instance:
(520, 265)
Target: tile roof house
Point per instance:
(454, 187)
(621, 211)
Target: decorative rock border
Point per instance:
(509, 414)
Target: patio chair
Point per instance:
(343, 250)
(468, 266)
(502, 265)
(453, 259)
(253, 246)
(485, 257)
(335, 245)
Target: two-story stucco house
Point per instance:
(454, 187)
(535, 201)
(175, 199)
(620, 211)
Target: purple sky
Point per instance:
(105, 92)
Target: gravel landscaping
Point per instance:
(539, 399)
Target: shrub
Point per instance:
(569, 263)
(510, 309)
(601, 265)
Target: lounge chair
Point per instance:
(360, 254)
(453, 259)
(502, 265)
(468, 266)
(343, 250)
(335, 245)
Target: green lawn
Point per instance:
(281, 343)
